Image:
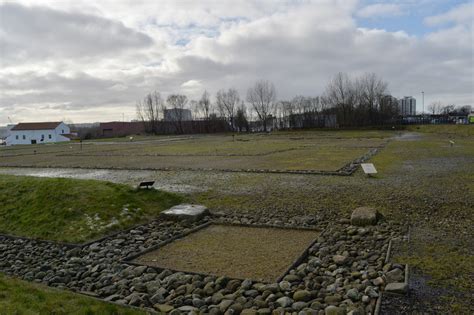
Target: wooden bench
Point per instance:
(147, 185)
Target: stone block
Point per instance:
(397, 287)
(364, 216)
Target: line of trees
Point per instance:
(228, 106)
(355, 101)
(437, 108)
(359, 101)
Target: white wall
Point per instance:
(41, 136)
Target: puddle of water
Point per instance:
(408, 136)
(117, 176)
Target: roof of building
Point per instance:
(37, 126)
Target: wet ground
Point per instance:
(163, 180)
(423, 299)
(421, 180)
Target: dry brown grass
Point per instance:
(261, 254)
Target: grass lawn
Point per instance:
(19, 297)
(73, 210)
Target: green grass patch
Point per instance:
(458, 130)
(445, 265)
(20, 297)
(73, 210)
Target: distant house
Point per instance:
(120, 129)
(38, 132)
(177, 114)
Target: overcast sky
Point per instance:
(86, 61)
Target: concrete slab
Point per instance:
(187, 212)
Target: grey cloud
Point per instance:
(33, 33)
(55, 91)
(298, 51)
(303, 63)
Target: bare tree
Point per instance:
(448, 109)
(241, 120)
(262, 98)
(465, 110)
(297, 103)
(148, 111)
(388, 108)
(436, 108)
(370, 89)
(205, 105)
(178, 105)
(304, 111)
(338, 91)
(227, 102)
(194, 106)
(339, 94)
(357, 101)
(287, 110)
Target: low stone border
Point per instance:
(68, 245)
(96, 298)
(33, 153)
(129, 258)
(346, 170)
(176, 155)
(351, 167)
(297, 262)
(174, 169)
(74, 245)
(99, 268)
(113, 234)
(378, 305)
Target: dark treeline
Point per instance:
(346, 102)
(360, 101)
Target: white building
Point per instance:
(407, 106)
(41, 132)
(177, 114)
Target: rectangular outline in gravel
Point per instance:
(346, 170)
(297, 261)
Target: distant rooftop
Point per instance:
(36, 126)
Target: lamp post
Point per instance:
(423, 102)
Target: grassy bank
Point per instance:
(20, 297)
(73, 210)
